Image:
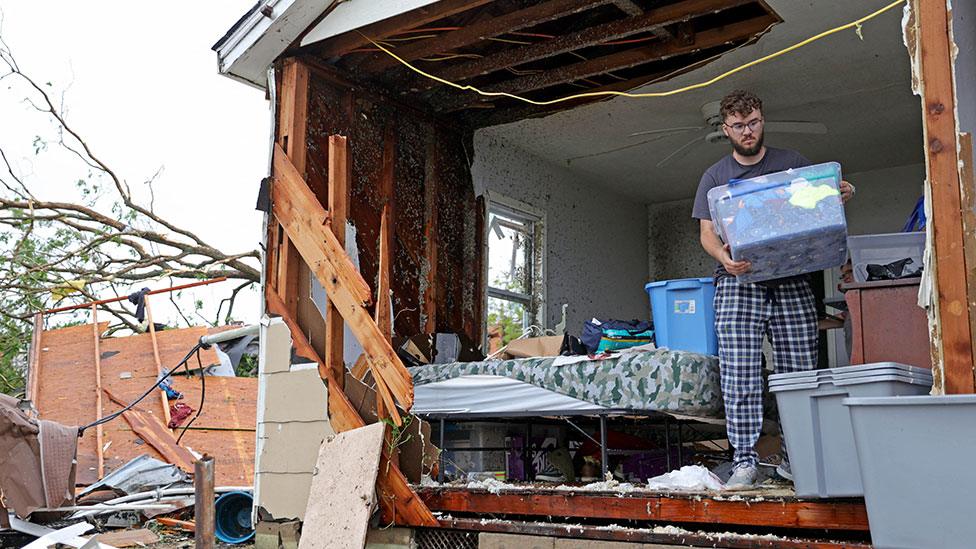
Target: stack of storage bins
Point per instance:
(817, 426)
(786, 224)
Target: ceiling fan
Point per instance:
(713, 124)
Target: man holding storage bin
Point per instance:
(784, 309)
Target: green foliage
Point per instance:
(507, 315)
(248, 366)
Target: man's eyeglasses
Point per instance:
(740, 127)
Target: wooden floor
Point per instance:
(548, 511)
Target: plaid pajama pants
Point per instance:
(744, 315)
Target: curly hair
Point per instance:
(739, 102)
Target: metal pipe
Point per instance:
(603, 446)
(203, 507)
(667, 441)
(440, 455)
(228, 335)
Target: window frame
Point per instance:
(534, 301)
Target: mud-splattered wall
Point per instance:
(596, 253)
(431, 180)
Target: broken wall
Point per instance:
(421, 164)
(292, 422)
(595, 249)
(885, 198)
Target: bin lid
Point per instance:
(921, 400)
(815, 383)
(852, 375)
(860, 369)
(812, 382)
(680, 283)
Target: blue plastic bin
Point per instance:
(684, 314)
(786, 223)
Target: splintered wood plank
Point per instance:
(128, 538)
(344, 43)
(342, 494)
(967, 182)
(156, 435)
(779, 513)
(163, 401)
(304, 219)
(339, 170)
(292, 137)
(34, 359)
(396, 498)
(99, 455)
(940, 137)
(489, 28)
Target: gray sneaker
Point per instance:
(784, 471)
(743, 478)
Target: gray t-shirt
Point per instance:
(775, 160)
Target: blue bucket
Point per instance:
(232, 517)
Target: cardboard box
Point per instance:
(532, 347)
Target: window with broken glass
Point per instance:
(513, 270)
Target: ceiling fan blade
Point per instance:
(668, 130)
(679, 150)
(796, 127)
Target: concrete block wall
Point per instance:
(292, 422)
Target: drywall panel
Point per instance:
(283, 496)
(298, 395)
(884, 200)
(292, 447)
(595, 247)
(292, 422)
(343, 489)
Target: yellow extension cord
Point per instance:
(854, 24)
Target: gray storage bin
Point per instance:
(916, 461)
(817, 427)
(881, 249)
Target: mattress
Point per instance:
(660, 380)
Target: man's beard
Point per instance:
(749, 151)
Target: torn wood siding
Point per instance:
(339, 108)
(945, 289)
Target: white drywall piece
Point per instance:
(343, 489)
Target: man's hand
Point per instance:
(734, 267)
(846, 191)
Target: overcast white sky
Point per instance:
(143, 88)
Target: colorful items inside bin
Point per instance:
(786, 223)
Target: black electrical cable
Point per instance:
(110, 417)
(203, 396)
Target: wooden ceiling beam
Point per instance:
(509, 22)
(344, 43)
(614, 30)
(726, 34)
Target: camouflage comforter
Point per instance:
(660, 380)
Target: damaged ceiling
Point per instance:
(540, 49)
